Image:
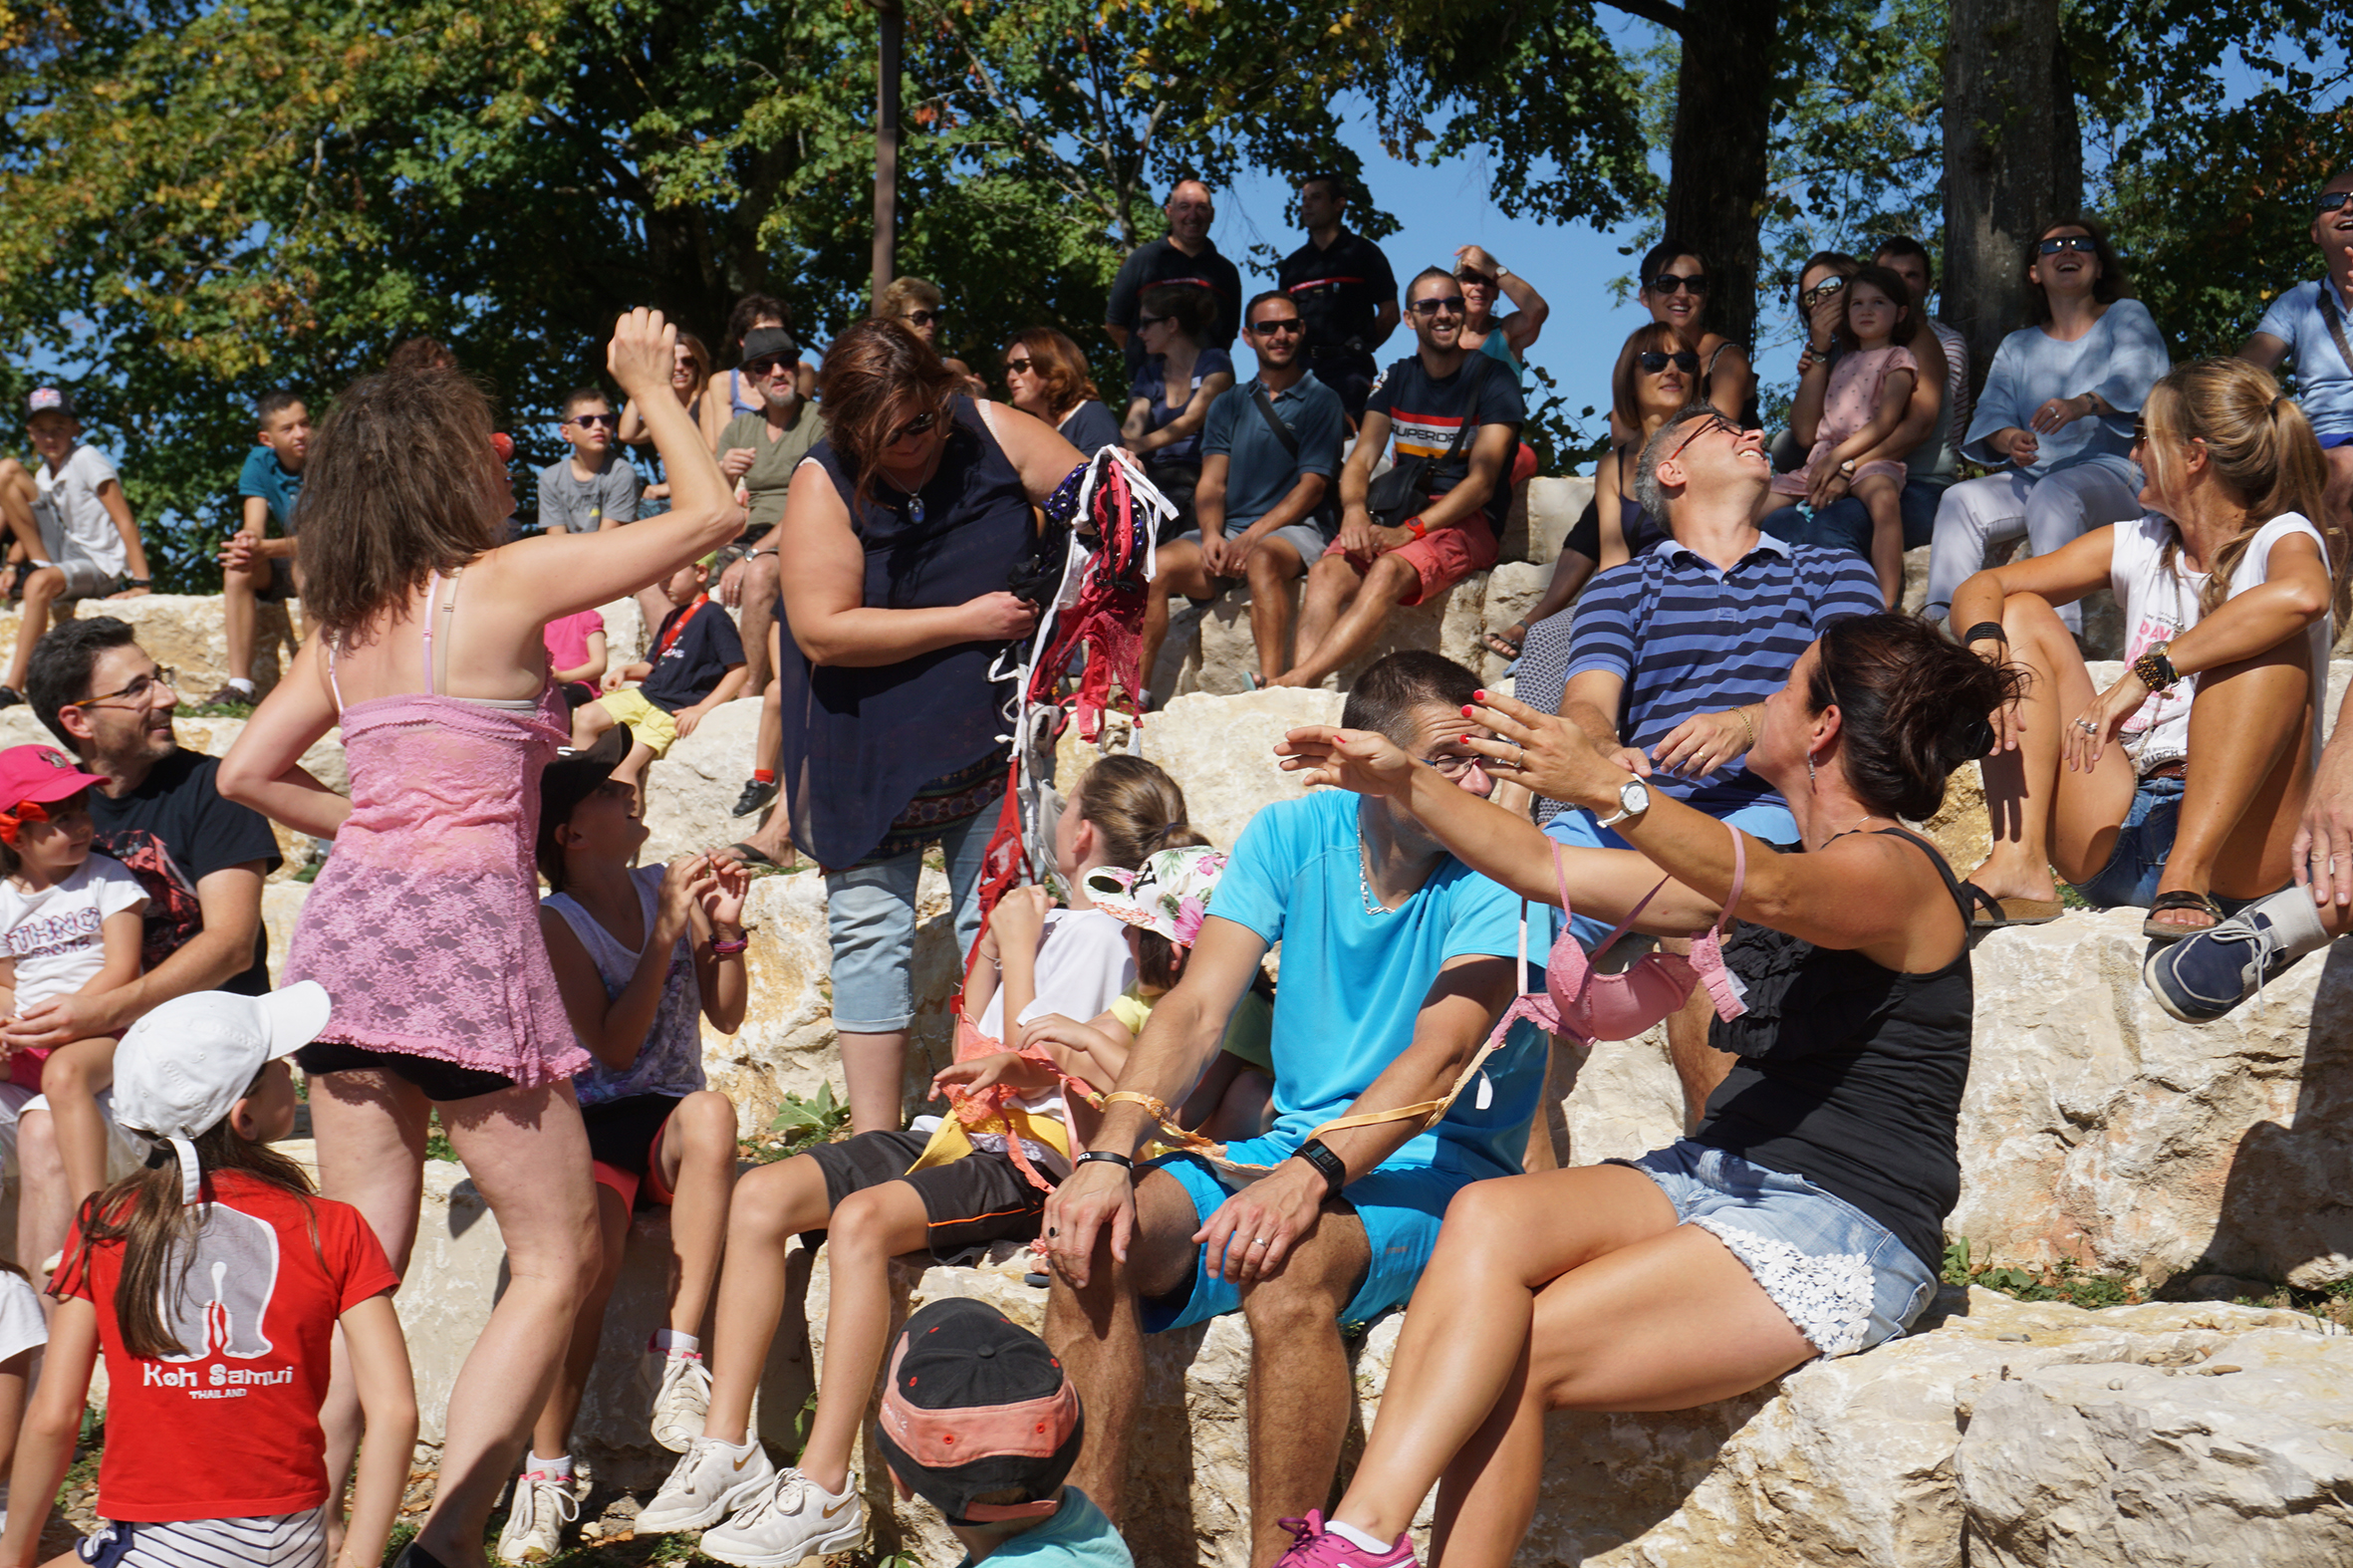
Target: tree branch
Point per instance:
(1669, 17)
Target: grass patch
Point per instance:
(800, 1125)
(2067, 1282)
(437, 1141)
(215, 710)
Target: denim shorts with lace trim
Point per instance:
(1841, 1276)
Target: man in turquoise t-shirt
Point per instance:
(256, 569)
(1397, 961)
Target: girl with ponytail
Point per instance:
(2179, 788)
(214, 1281)
(1804, 1215)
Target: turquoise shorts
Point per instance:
(1402, 1208)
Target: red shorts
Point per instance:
(624, 1146)
(1441, 558)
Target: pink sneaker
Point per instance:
(1316, 1547)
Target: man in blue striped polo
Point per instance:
(1671, 653)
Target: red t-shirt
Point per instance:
(231, 1429)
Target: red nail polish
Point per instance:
(1481, 695)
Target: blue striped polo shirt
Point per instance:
(1688, 638)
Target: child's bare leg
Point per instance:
(551, 1435)
(42, 590)
(1245, 1108)
(71, 1078)
(632, 770)
(696, 1158)
(1202, 1105)
(770, 1207)
(589, 720)
(869, 1230)
(1884, 498)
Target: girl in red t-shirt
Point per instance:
(213, 1282)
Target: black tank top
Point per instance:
(1851, 1074)
(859, 743)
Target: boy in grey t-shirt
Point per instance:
(591, 489)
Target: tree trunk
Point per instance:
(1723, 112)
(2014, 161)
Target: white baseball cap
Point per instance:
(183, 1067)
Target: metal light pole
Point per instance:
(886, 152)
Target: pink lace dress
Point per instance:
(425, 924)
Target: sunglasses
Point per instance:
(1820, 291)
(1711, 423)
(1442, 305)
(1153, 321)
(143, 690)
(1677, 283)
(923, 318)
(588, 422)
(1287, 327)
(2060, 242)
(921, 424)
(1653, 361)
(1019, 367)
(761, 369)
(2332, 201)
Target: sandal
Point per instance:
(2008, 911)
(750, 854)
(2180, 898)
(1504, 643)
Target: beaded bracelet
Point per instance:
(728, 949)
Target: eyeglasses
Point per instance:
(1286, 326)
(1713, 422)
(2330, 201)
(1152, 320)
(1820, 291)
(923, 318)
(761, 369)
(1454, 765)
(1444, 304)
(921, 424)
(1653, 361)
(142, 689)
(588, 422)
(1677, 283)
(1019, 367)
(2060, 242)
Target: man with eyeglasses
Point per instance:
(1269, 449)
(1457, 418)
(1670, 656)
(1186, 256)
(2312, 325)
(593, 489)
(201, 858)
(254, 567)
(761, 451)
(1345, 291)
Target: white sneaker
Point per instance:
(795, 1518)
(709, 1479)
(682, 1400)
(534, 1528)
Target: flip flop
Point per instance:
(2180, 898)
(2009, 911)
(1503, 646)
(750, 854)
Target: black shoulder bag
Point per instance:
(1405, 490)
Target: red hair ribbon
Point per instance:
(12, 822)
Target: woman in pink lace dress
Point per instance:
(423, 927)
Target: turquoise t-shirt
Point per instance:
(1353, 984)
(1075, 1535)
(264, 476)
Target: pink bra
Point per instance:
(1589, 1006)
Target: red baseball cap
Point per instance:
(41, 774)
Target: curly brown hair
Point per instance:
(1056, 361)
(878, 375)
(402, 483)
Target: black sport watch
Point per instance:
(1328, 1165)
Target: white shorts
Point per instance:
(283, 1540)
(125, 1153)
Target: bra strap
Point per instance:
(333, 684)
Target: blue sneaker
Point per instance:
(2201, 978)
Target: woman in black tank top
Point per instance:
(1802, 1218)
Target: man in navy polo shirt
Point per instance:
(1345, 291)
(1261, 497)
(1188, 256)
(1671, 653)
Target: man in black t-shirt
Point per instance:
(200, 857)
(1188, 256)
(694, 666)
(1457, 418)
(1345, 291)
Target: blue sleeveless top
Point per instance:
(859, 743)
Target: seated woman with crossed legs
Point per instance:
(1805, 1218)
(2184, 781)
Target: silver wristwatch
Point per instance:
(1634, 798)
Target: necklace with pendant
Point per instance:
(1363, 881)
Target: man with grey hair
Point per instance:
(1187, 255)
(1667, 660)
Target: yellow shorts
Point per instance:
(653, 727)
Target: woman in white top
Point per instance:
(2184, 781)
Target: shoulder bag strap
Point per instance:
(1274, 421)
(2335, 319)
